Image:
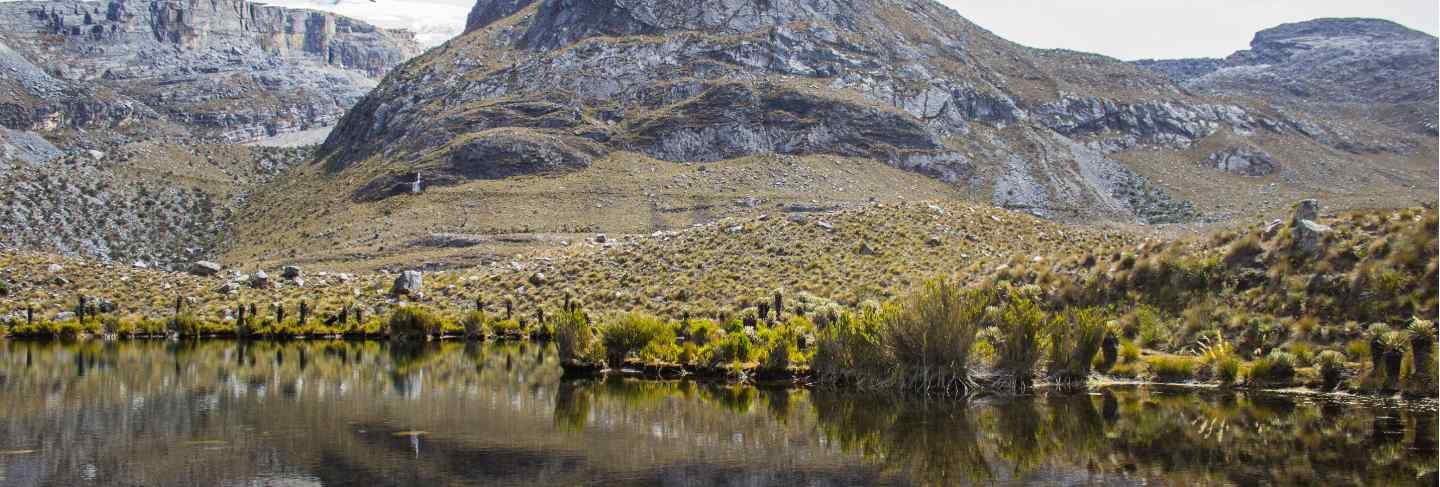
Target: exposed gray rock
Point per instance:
(261, 280)
(1245, 161)
(290, 272)
(1327, 61)
(409, 283)
(228, 71)
(537, 279)
(1308, 209)
(205, 268)
(1308, 235)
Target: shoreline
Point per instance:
(797, 377)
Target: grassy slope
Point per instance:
(310, 219)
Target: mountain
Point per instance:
(1327, 63)
(226, 71)
(117, 118)
(557, 117)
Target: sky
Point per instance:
(1165, 29)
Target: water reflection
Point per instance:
(449, 413)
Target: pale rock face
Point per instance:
(230, 70)
(1245, 161)
(904, 83)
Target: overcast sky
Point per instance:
(1126, 29)
(1137, 29)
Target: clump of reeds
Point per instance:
(631, 332)
(413, 323)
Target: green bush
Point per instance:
(1332, 367)
(1074, 343)
(475, 324)
(735, 348)
(848, 351)
(574, 336)
(630, 333)
(930, 333)
(1171, 368)
(1226, 369)
(1020, 323)
(1276, 368)
(413, 323)
(186, 325)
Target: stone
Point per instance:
(934, 241)
(205, 268)
(1273, 229)
(537, 279)
(261, 280)
(53, 268)
(797, 219)
(408, 284)
(866, 249)
(228, 288)
(1306, 210)
(290, 272)
(1244, 161)
(600, 238)
(65, 316)
(1308, 235)
(825, 225)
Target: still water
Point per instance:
(372, 414)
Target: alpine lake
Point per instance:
(368, 413)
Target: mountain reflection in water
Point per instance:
(375, 414)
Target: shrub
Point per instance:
(185, 325)
(412, 323)
(1276, 368)
(629, 333)
(574, 336)
(1226, 369)
(1129, 351)
(930, 333)
(1074, 341)
(779, 356)
(700, 332)
(735, 348)
(475, 324)
(1020, 323)
(849, 350)
(1332, 367)
(1171, 368)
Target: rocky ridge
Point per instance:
(225, 71)
(1327, 61)
(909, 83)
(110, 113)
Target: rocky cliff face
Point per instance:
(908, 83)
(224, 71)
(108, 113)
(1325, 62)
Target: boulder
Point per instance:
(65, 316)
(866, 249)
(290, 272)
(1307, 235)
(408, 284)
(1306, 210)
(537, 279)
(600, 238)
(934, 241)
(260, 281)
(205, 268)
(1245, 161)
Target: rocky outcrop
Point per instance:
(1325, 61)
(1245, 161)
(224, 71)
(908, 83)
